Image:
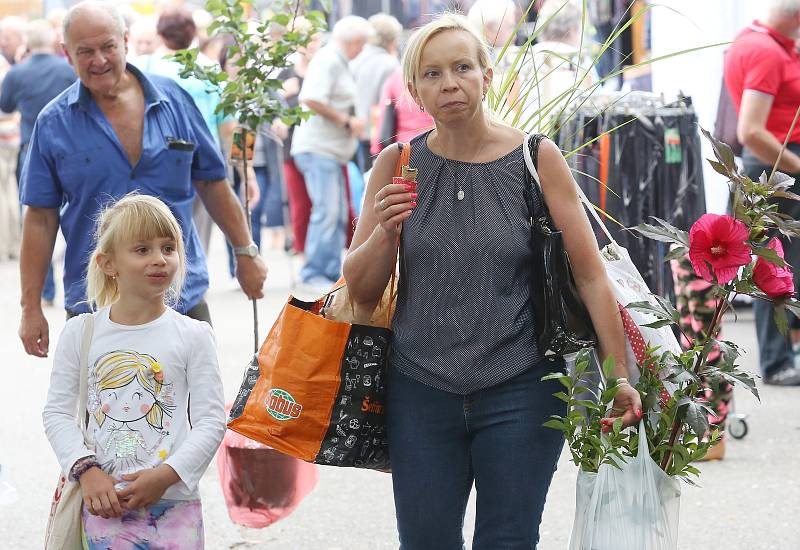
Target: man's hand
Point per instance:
(99, 496)
(34, 332)
(357, 125)
(251, 273)
(147, 486)
(280, 129)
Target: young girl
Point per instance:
(139, 478)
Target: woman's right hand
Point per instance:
(99, 495)
(393, 205)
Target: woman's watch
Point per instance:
(250, 250)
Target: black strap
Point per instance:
(537, 208)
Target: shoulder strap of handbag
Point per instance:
(533, 186)
(531, 154)
(403, 159)
(86, 343)
(405, 155)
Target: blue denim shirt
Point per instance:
(76, 163)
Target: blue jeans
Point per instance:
(327, 225)
(774, 349)
(49, 290)
(441, 442)
(270, 207)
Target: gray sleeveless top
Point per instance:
(464, 319)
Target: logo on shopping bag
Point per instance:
(282, 406)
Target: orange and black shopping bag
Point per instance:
(317, 388)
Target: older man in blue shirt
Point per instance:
(113, 132)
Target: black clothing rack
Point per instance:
(654, 168)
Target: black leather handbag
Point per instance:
(563, 325)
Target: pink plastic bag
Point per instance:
(261, 485)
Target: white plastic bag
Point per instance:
(636, 507)
(628, 287)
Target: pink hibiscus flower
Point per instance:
(718, 241)
(774, 280)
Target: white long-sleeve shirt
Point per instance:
(135, 420)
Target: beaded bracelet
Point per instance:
(82, 466)
(621, 381)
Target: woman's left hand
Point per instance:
(627, 405)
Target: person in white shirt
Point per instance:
(139, 475)
(324, 144)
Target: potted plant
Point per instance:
(259, 49)
(737, 254)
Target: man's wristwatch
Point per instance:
(250, 250)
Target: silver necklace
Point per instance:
(460, 192)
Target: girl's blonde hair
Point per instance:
(117, 369)
(445, 22)
(132, 218)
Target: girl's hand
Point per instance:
(99, 496)
(627, 405)
(393, 205)
(147, 486)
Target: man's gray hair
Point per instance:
(387, 30)
(13, 23)
(559, 19)
(491, 12)
(93, 6)
(351, 28)
(40, 35)
(784, 7)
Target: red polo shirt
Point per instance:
(764, 60)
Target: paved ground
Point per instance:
(749, 501)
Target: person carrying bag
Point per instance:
(321, 373)
(466, 402)
(64, 524)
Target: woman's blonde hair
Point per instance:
(445, 22)
(132, 218)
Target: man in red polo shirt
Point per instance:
(762, 74)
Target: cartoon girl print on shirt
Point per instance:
(129, 398)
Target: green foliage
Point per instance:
(524, 77)
(589, 398)
(258, 54)
(672, 385)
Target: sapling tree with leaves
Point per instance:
(259, 49)
(739, 254)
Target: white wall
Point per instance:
(678, 25)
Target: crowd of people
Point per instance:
(104, 140)
(127, 160)
(310, 178)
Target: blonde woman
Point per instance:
(139, 477)
(466, 402)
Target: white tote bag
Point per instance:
(634, 507)
(64, 524)
(628, 287)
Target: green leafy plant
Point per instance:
(524, 76)
(258, 49)
(737, 255)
